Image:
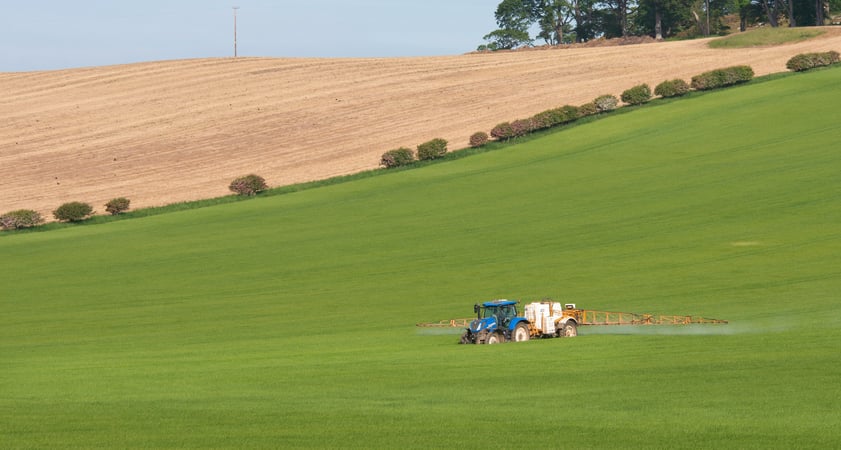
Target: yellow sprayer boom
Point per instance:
(590, 317)
(451, 323)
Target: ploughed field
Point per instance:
(171, 131)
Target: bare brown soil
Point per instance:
(173, 131)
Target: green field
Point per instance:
(766, 36)
(288, 321)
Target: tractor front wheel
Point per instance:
(521, 333)
(495, 338)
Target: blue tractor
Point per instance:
(497, 321)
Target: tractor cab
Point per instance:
(501, 310)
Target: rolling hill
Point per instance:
(288, 321)
(172, 131)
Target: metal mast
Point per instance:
(235, 8)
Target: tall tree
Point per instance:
(746, 10)
(514, 17)
(792, 21)
(555, 19)
(832, 6)
(717, 10)
(811, 12)
(664, 18)
(820, 9)
(615, 14)
(517, 14)
(772, 11)
(506, 39)
(584, 14)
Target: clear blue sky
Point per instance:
(56, 34)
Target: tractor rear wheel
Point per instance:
(521, 333)
(496, 338)
(569, 330)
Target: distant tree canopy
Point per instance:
(514, 17)
(566, 21)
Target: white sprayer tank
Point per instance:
(543, 315)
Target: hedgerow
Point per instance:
(117, 205)
(567, 114)
(73, 212)
(719, 78)
(522, 127)
(479, 139)
(398, 157)
(806, 61)
(587, 109)
(544, 119)
(672, 88)
(637, 95)
(605, 103)
(433, 149)
(21, 218)
(502, 131)
(556, 116)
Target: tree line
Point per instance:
(568, 21)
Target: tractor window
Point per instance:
(502, 313)
(510, 312)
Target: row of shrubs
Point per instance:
(806, 61)
(720, 78)
(636, 95)
(402, 156)
(248, 185)
(68, 212)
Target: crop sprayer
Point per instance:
(499, 321)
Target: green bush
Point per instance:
(543, 120)
(587, 109)
(605, 103)
(433, 149)
(568, 113)
(479, 139)
(672, 88)
(21, 218)
(637, 95)
(248, 185)
(503, 131)
(522, 127)
(117, 205)
(806, 61)
(73, 212)
(719, 78)
(557, 116)
(398, 157)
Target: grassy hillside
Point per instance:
(766, 36)
(288, 321)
